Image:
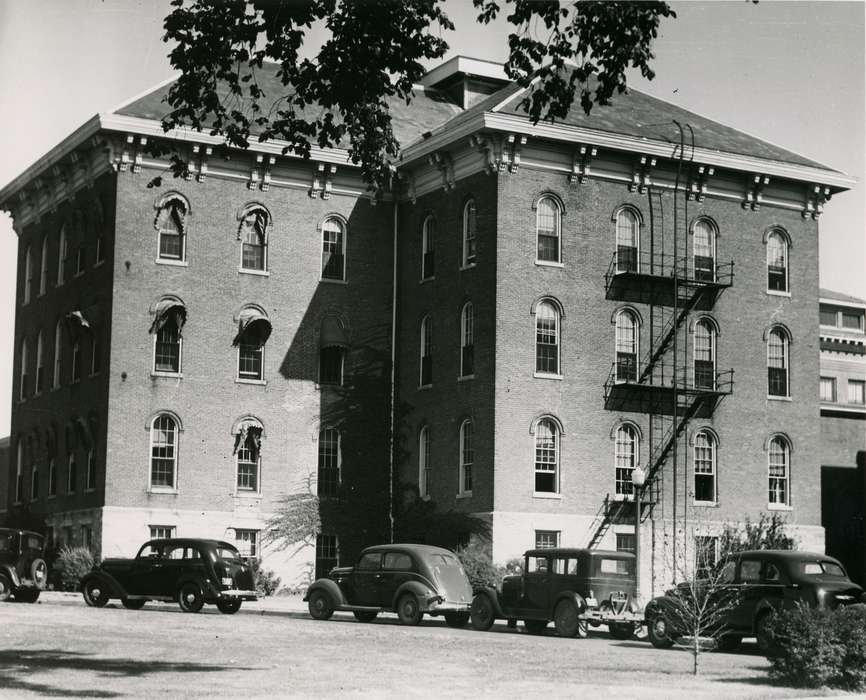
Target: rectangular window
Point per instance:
(79, 261)
(248, 469)
(546, 345)
(852, 320)
(71, 473)
(87, 536)
(332, 251)
(828, 317)
(247, 543)
(828, 389)
(331, 366)
(95, 359)
(76, 362)
(250, 361)
(161, 532)
(327, 554)
(545, 539)
(856, 391)
(253, 256)
(100, 250)
(52, 477)
(166, 354)
(34, 483)
(91, 470)
(329, 463)
(625, 542)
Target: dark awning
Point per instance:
(168, 310)
(254, 328)
(249, 433)
(333, 334)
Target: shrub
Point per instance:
(267, 582)
(815, 648)
(71, 565)
(479, 566)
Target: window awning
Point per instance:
(254, 328)
(333, 334)
(76, 322)
(249, 433)
(168, 310)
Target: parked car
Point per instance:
(575, 588)
(191, 571)
(23, 572)
(752, 585)
(409, 579)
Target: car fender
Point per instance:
(572, 596)
(493, 595)
(660, 605)
(107, 580)
(331, 588)
(11, 573)
(421, 591)
(762, 608)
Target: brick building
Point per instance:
(563, 303)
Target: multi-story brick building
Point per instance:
(550, 306)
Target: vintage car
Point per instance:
(409, 579)
(190, 571)
(575, 588)
(746, 588)
(23, 572)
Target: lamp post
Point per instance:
(638, 479)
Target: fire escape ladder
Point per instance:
(667, 335)
(609, 512)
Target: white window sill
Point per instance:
(774, 293)
(779, 506)
(257, 382)
(255, 273)
(465, 494)
(99, 263)
(248, 494)
(469, 266)
(546, 375)
(622, 497)
(328, 280)
(51, 497)
(426, 279)
(466, 378)
(167, 375)
(93, 490)
(172, 263)
(770, 397)
(549, 263)
(79, 273)
(425, 387)
(56, 388)
(163, 490)
(706, 504)
(547, 495)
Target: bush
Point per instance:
(267, 582)
(479, 566)
(815, 648)
(71, 565)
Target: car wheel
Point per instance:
(133, 603)
(764, 635)
(566, 619)
(621, 630)
(320, 606)
(659, 633)
(365, 615)
(95, 594)
(39, 572)
(5, 588)
(728, 642)
(228, 606)
(535, 626)
(408, 609)
(190, 598)
(28, 595)
(458, 620)
(482, 613)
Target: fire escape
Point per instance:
(663, 382)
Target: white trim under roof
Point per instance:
(464, 64)
(841, 302)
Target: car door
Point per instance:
(364, 579)
(175, 563)
(536, 587)
(749, 593)
(396, 569)
(143, 572)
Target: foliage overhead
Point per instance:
(374, 54)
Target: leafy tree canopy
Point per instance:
(375, 53)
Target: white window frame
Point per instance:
(245, 232)
(62, 255)
(467, 458)
(633, 232)
(168, 259)
(622, 341)
(322, 455)
(28, 274)
(555, 232)
(785, 359)
(24, 366)
(548, 424)
(249, 378)
(831, 383)
(469, 239)
(19, 473)
(425, 350)
(704, 345)
(424, 462)
(333, 225)
(467, 338)
(71, 474)
(162, 532)
(56, 378)
(166, 372)
(247, 542)
(855, 397)
(52, 477)
(257, 465)
(43, 268)
(625, 459)
(782, 498)
(546, 310)
(39, 375)
(784, 244)
(76, 362)
(707, 226)
(428, 245)
(90, 476)
(173, 486)
(710, 458)
(34, 481)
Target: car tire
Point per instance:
(482, 613)
(320, 606)
(728, 642)
(5, 588)
(190, 597)
(133, 603)
(365, 615)
(763, 635)
(95, 593)
(535, 626)
(409, 610)
(457, 620)
(621, 630)
(229, 606)
(658, 632)
(39, 572)
(27, 595)
(566, 619)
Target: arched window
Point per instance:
(171, 216)
(34, 481)
(333, 249)
(43, 267)
(705, 467)
(627, 240)
(329, 462)
(253, 232)
(426, 355)
(163, 452)
(547, 338)
(40, 363)
(58, 356)
(548, 220)
(777, 261)
(19, 473)
(28, 274)
(52, 476)
(76, 361)
(467, 340)
(469, 213)
(777, 363)
(169, 317)
(24, 378)
(705, 355)
(62, 255)
(254, 329)
(90, 479)
(467, 457)
(248, 451)
(424, 462)
(704, 250)
(546, 457)
(428, 248)
(779, 472)
(71, 471)
(626, 457)
(333, 345)
(626, 346)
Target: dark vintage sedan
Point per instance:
(190, 571)
(575, 588)
(23, 573)
(747, 587)
(409, 579)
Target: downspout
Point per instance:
(392, 426)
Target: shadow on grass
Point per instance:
(16, 667)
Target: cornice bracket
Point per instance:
(755, 191)
(641, 174)
(266, 177)
(697, 185)
(253, 182)
(580, 162)
(443, 163)
(203, 153)
(515, 144)
(816, 196)
(490, 146)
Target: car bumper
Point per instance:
(235, 594)
(437, 604)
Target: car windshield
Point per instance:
(614, 567)
(820, 568)
(32, 542)
(227, 553)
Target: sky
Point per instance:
(791, 73)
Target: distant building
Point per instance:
(843, 428)
(573, 301)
